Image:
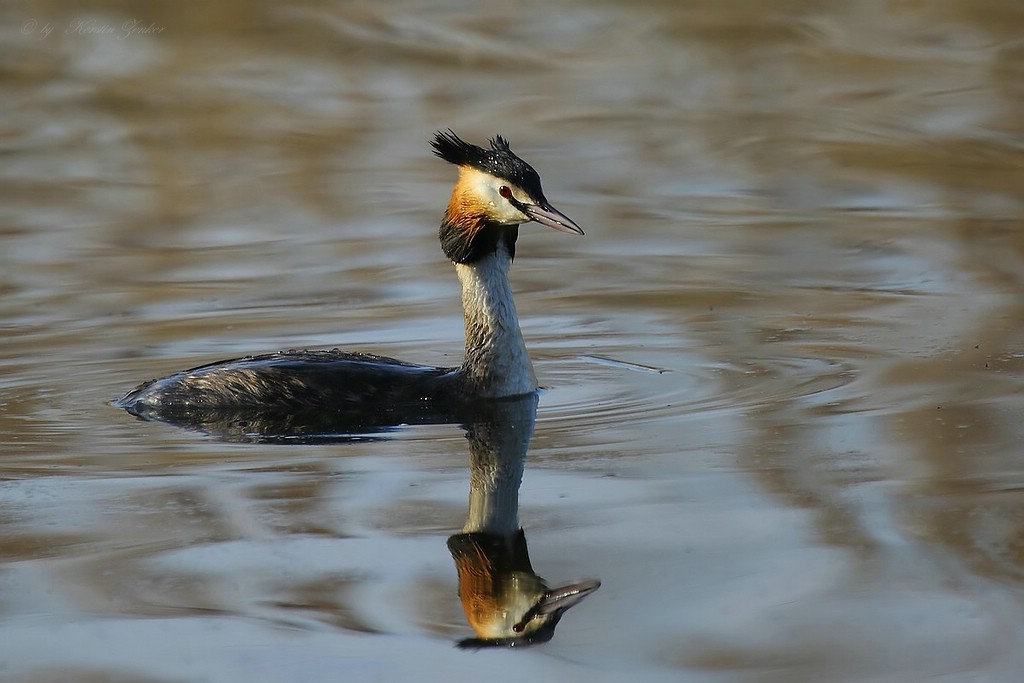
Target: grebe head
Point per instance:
(496, 189)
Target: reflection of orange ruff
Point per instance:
(495, 577)
(505, 602)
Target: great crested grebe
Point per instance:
(495, 193)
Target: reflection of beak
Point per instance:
(557, 600)
(561, 599)
(545, 214)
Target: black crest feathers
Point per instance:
(455, 150)
(499, 161)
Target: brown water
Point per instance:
(785, 365)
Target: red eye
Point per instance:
(505, 192)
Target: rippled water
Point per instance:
(783, 369)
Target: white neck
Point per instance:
(496, 362)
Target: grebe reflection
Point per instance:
(505, 601)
